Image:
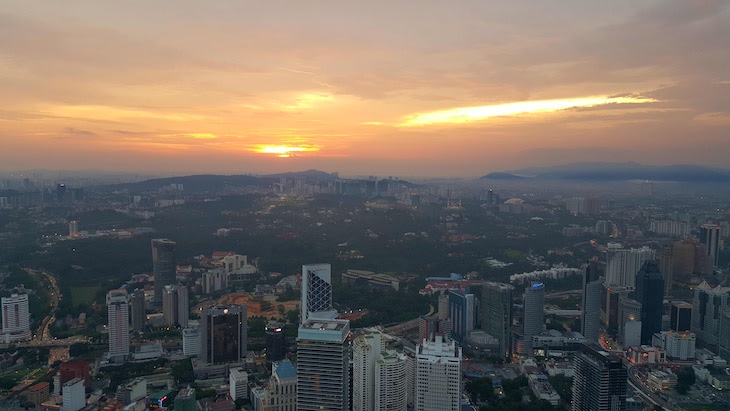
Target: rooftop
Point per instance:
(285, 369)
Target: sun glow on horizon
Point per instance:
(284, 151)
(471, 114)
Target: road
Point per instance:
(44, 333)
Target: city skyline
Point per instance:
(417, 89)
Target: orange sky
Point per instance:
(427, 88)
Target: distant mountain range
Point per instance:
(616, 172)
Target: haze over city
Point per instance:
(454, 89)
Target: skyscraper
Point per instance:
(629, 310)
(323, 365)
(599, 381)
(139, 318)
(650, 294)
(365, 351)
(118, 316)
(163, 266)
(590, 319)
(438, 376)
(710, 239)
(275, 349)
(708, 302)
(316, 289)
(224, 334)
(533, 313)
(496, 307)
(462, 312)
(175, 305)
(666, 266)
(391, 382)
(623, 264)
(16, 318)
(680, 318)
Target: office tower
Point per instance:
(462, 312)
(281, 394)
(650, 294)
(610, 297)
(139, 317)
(623, 264)
(191, 341)
(73, 229)
(223, 334)
(599, 381)
(590, 318)
(443, 312)
(323, 365)
(74, 369)
(118, 315)
(16, 318)
(74, 395)
(533, 314)
(723, 334)
(175, 305)
(680, 318)
(390, 382)
(163, 266)
(365, 351)
(316, 289)
(238, 383)
(710, 239)
(438, 376)
(275, 349)
(629, 310)
(666, 267)
(497, 313)
(213, 280)
(708, 302)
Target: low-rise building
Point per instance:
(38, 393)
(542, 389)
(238, 383)
(678, 345)
(660, 380)
(646, 354)
(132, 391)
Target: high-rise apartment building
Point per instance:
(438, 376)
(650, 294)
(175, 305)
(16, 318)
(591, 306)
(223, 334)
(118, 315)
(496, 308)
(391, 382)
(680, 317)
(163, 266)
(707, 305)
(599, 381)
(533, 314)
(366, 350)
(316, 289)
(463, 314)
(323, 365)
(710, 239)
(139, 316)
(623, 264)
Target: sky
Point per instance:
(409, 88)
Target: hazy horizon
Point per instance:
(429, 89)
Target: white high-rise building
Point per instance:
(175, 305)
(74, 395)
(118, 307)
(623, 264)
(708, 303)
(191, 341)
(316, 289)
(323, 365)
(16, 318)
(238, 383)
(391, 382)
(366, 350)
(438, 376)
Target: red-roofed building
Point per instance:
(218, 255)
(38, 393)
